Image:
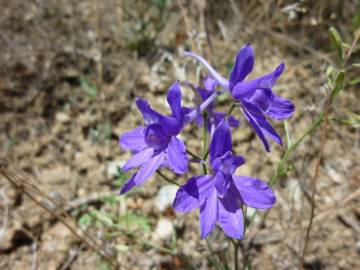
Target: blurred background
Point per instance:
(69, 73)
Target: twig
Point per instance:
(6, 215)
(357, 36)
(193, 155)
(327, 109)
(34, 250)
(187, 23)
(315, 177)
(213, 254)
(73, 253)
(167, 179)
(92, 198)
(25, 186)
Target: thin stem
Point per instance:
(17, 181)
(315, 177)
(205, 148)
(213, 254)
(167, 179)
(193, 155)
(233, 106)
(280, 166)
(236, 255)
(195, 113)
(287, 133)
(206, 155)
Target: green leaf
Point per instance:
(355, 81)
(131, 219)
(337, 42)
(122, 248)
(355, 116)
(111, 199)
(121, 177)
(104, 217)
(107, 126)
(102, 265)
(88, 87)
(339, 83)
(161, 4)
(85, 221)
(223, 97)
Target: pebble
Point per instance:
(164, 229)
(165, 197)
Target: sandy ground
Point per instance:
(69, 73)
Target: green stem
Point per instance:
(192, 154)
(213, 258)
(287, 133)
(166, 178)
(206, 155)
(280, 166)
(233, 106)
(236, 255)
(204, 141)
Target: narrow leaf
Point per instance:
(337, 42)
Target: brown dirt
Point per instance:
(64, 137)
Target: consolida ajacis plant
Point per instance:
(218, 192)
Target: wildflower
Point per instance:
(221, 194)
(213, 118)
(255, 97)
(156, 144)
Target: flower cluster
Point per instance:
(220, 193)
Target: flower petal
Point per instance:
(220, 79)
(209, 88)
(262, 98)
(233, 122)
(253, 192)
(210, 84)
(228, 163)
(243, 65)
(176, 156)
(133, 140)
(221, 140)
(231, 221)
(128, 185)
(245, 89)
(150, 116)
(192, 194)
(218, 116)
(222, 183)
(156, 138)
(148, 168)
(174, 100)
(257, 129)
(138, 159)
(171, 125)
(209, 214)
(280, 108)
(260, 124)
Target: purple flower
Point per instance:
(255, 96)
(213, 118)
(156, 143)
(221, 194)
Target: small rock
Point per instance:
(62, 117)
(165, 197)
(358, 246)
(164, 229)
(112, 168)
(334, 174)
